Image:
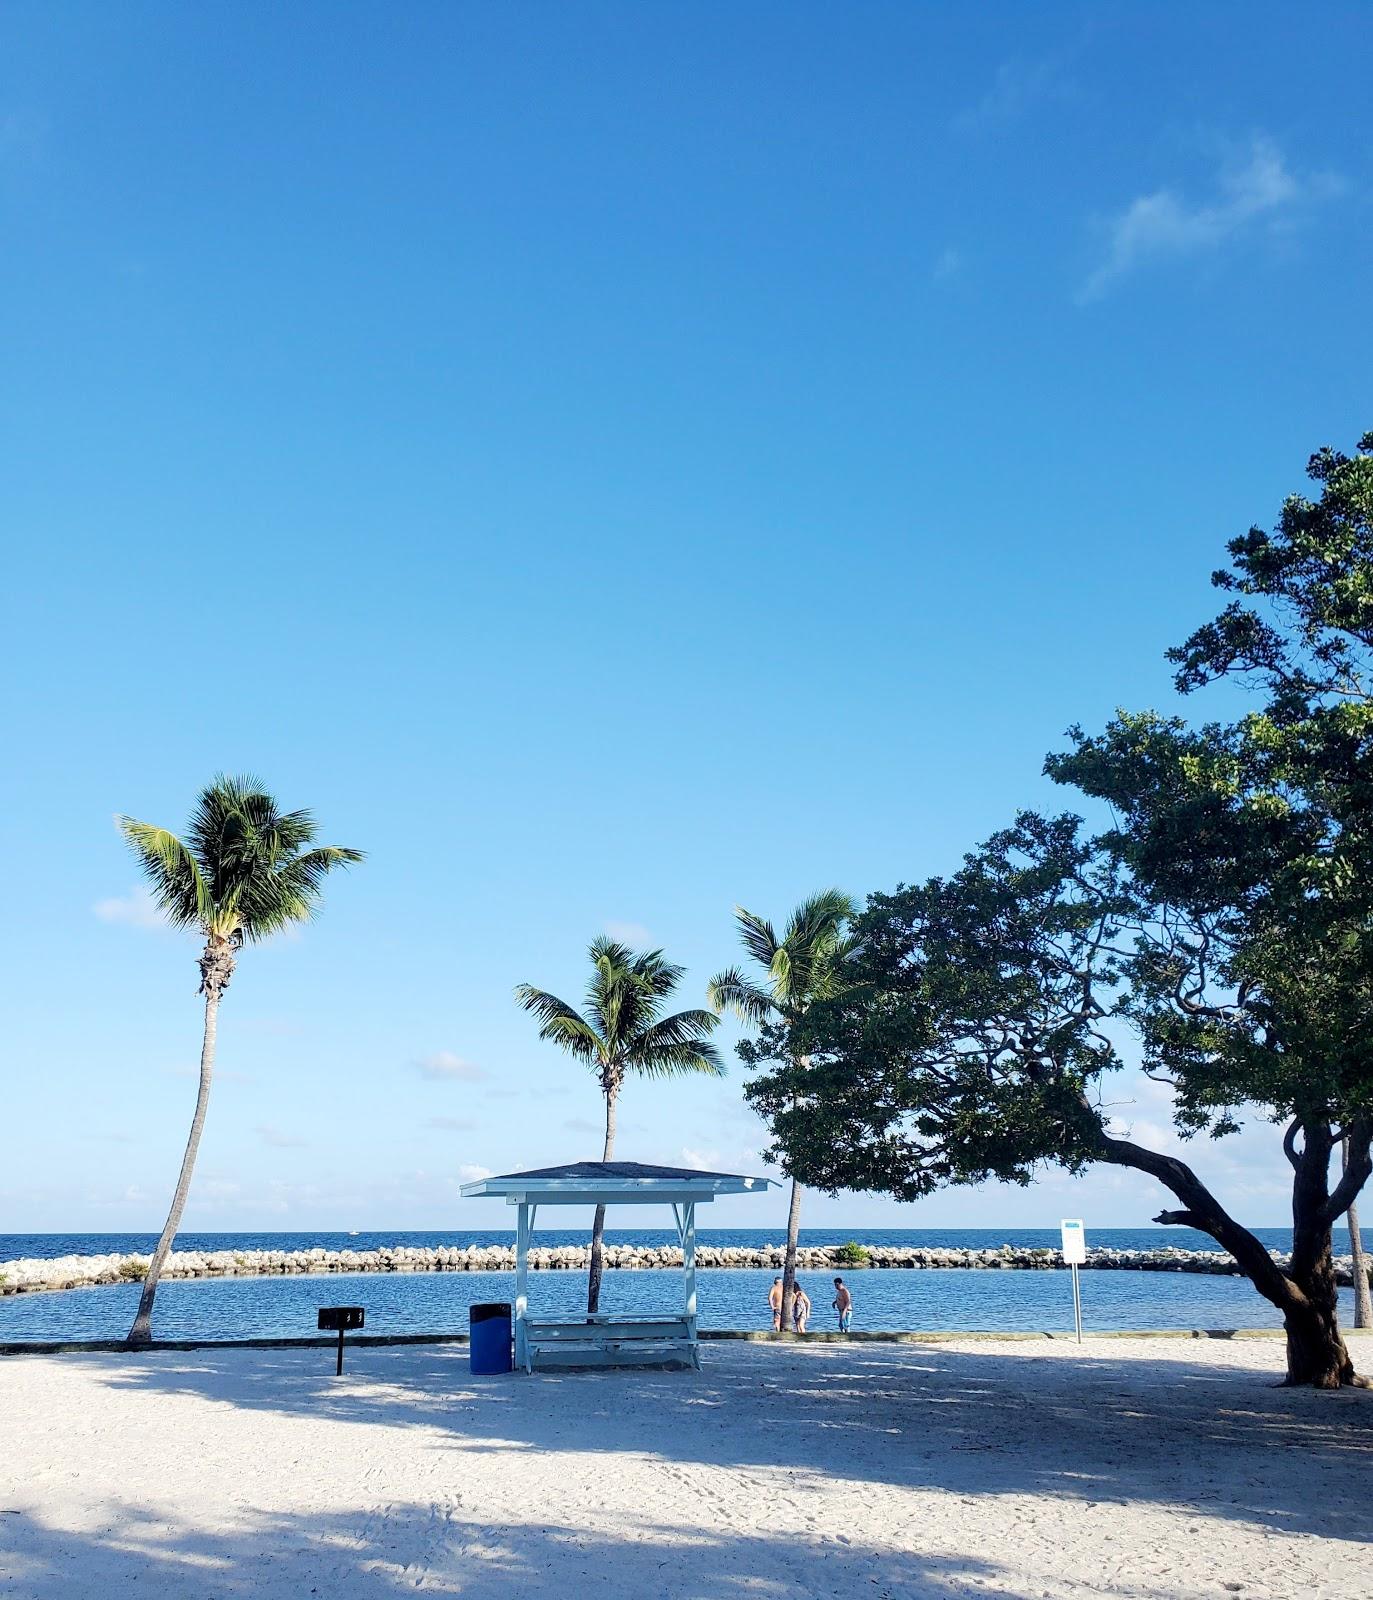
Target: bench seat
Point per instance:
(605, 1341)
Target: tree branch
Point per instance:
(1358, 1168)
(1289, 1142)
(1203, 1211)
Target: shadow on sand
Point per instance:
(1213, 1440)
(762, 1426)
(411, 1549)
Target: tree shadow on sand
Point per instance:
(406, 1549)
(1214, 1441)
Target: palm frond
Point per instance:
(758, 935)
(560, 1023)
(819, 917)
(730, 990)
(656, 973)
(677, 1060)
(177, 884)
(831, 972)
(273, 899)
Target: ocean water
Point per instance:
(48, 1245)
(437, 1302)
(895, 1299)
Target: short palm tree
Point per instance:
(244, 871)
(622, 1030)
(805, 964)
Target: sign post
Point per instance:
(1074, 1254)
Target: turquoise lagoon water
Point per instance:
(886, 1299)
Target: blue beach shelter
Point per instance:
(601, 1340)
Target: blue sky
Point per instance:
(612, 462)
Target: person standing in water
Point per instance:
(800, 1310)
(843, 1304)
(775, 1301)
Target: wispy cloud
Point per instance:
(452, 1124)
(137, 909)
(468, 1172)
(443, 1064)
(581, 1125)
(1019, 85)
(946, 264)
(633, 934)
(277, 1139)
(1256, 191)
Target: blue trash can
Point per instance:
(489, 1333)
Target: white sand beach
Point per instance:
(1153, 1468)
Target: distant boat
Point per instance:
(352, 1233)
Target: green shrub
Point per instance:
(852, 1254)
(132, 1270)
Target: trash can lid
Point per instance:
(489, 1312)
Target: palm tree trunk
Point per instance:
(789, 1260)
(215, 966)
(1363, 1301)
(593, 1285)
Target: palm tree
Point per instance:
(623, 1031)
(1363, 1300)
(805, 964)
(243, 872)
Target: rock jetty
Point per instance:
(75, 1272)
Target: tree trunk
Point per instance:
(1316, 1352)
(216, 967)
(1363, 1301)
(789, 1259)
(1306, 1293)
(593, 1282)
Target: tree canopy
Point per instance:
(1219, 930)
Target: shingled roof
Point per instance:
(612, 1169)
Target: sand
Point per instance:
(1167, 1468)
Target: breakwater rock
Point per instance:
(74, 1272)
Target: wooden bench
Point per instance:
(605, 1341)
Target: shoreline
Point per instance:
(29, 1275)
(861, 1336)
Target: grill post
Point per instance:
(339, 1318)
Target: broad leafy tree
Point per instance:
(1224, 920)
(244, 871)
(804, 965)
(1302, 632)
(622, 1030)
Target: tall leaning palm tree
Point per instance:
(245, 870)
(805, 964)
(620, 1031)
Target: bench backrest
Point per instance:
(594, 1332)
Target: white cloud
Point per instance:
(277, 1139)
(1257, 191)
(634, 934)
(468, 1172)
(1019, 85)
(947, 263)
(706, 1160)
(452, 1124)
(443, 1064)
(137, 909)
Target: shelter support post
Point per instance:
(689, 1268)
(522, 1225)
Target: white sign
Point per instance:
(1074, 1244)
